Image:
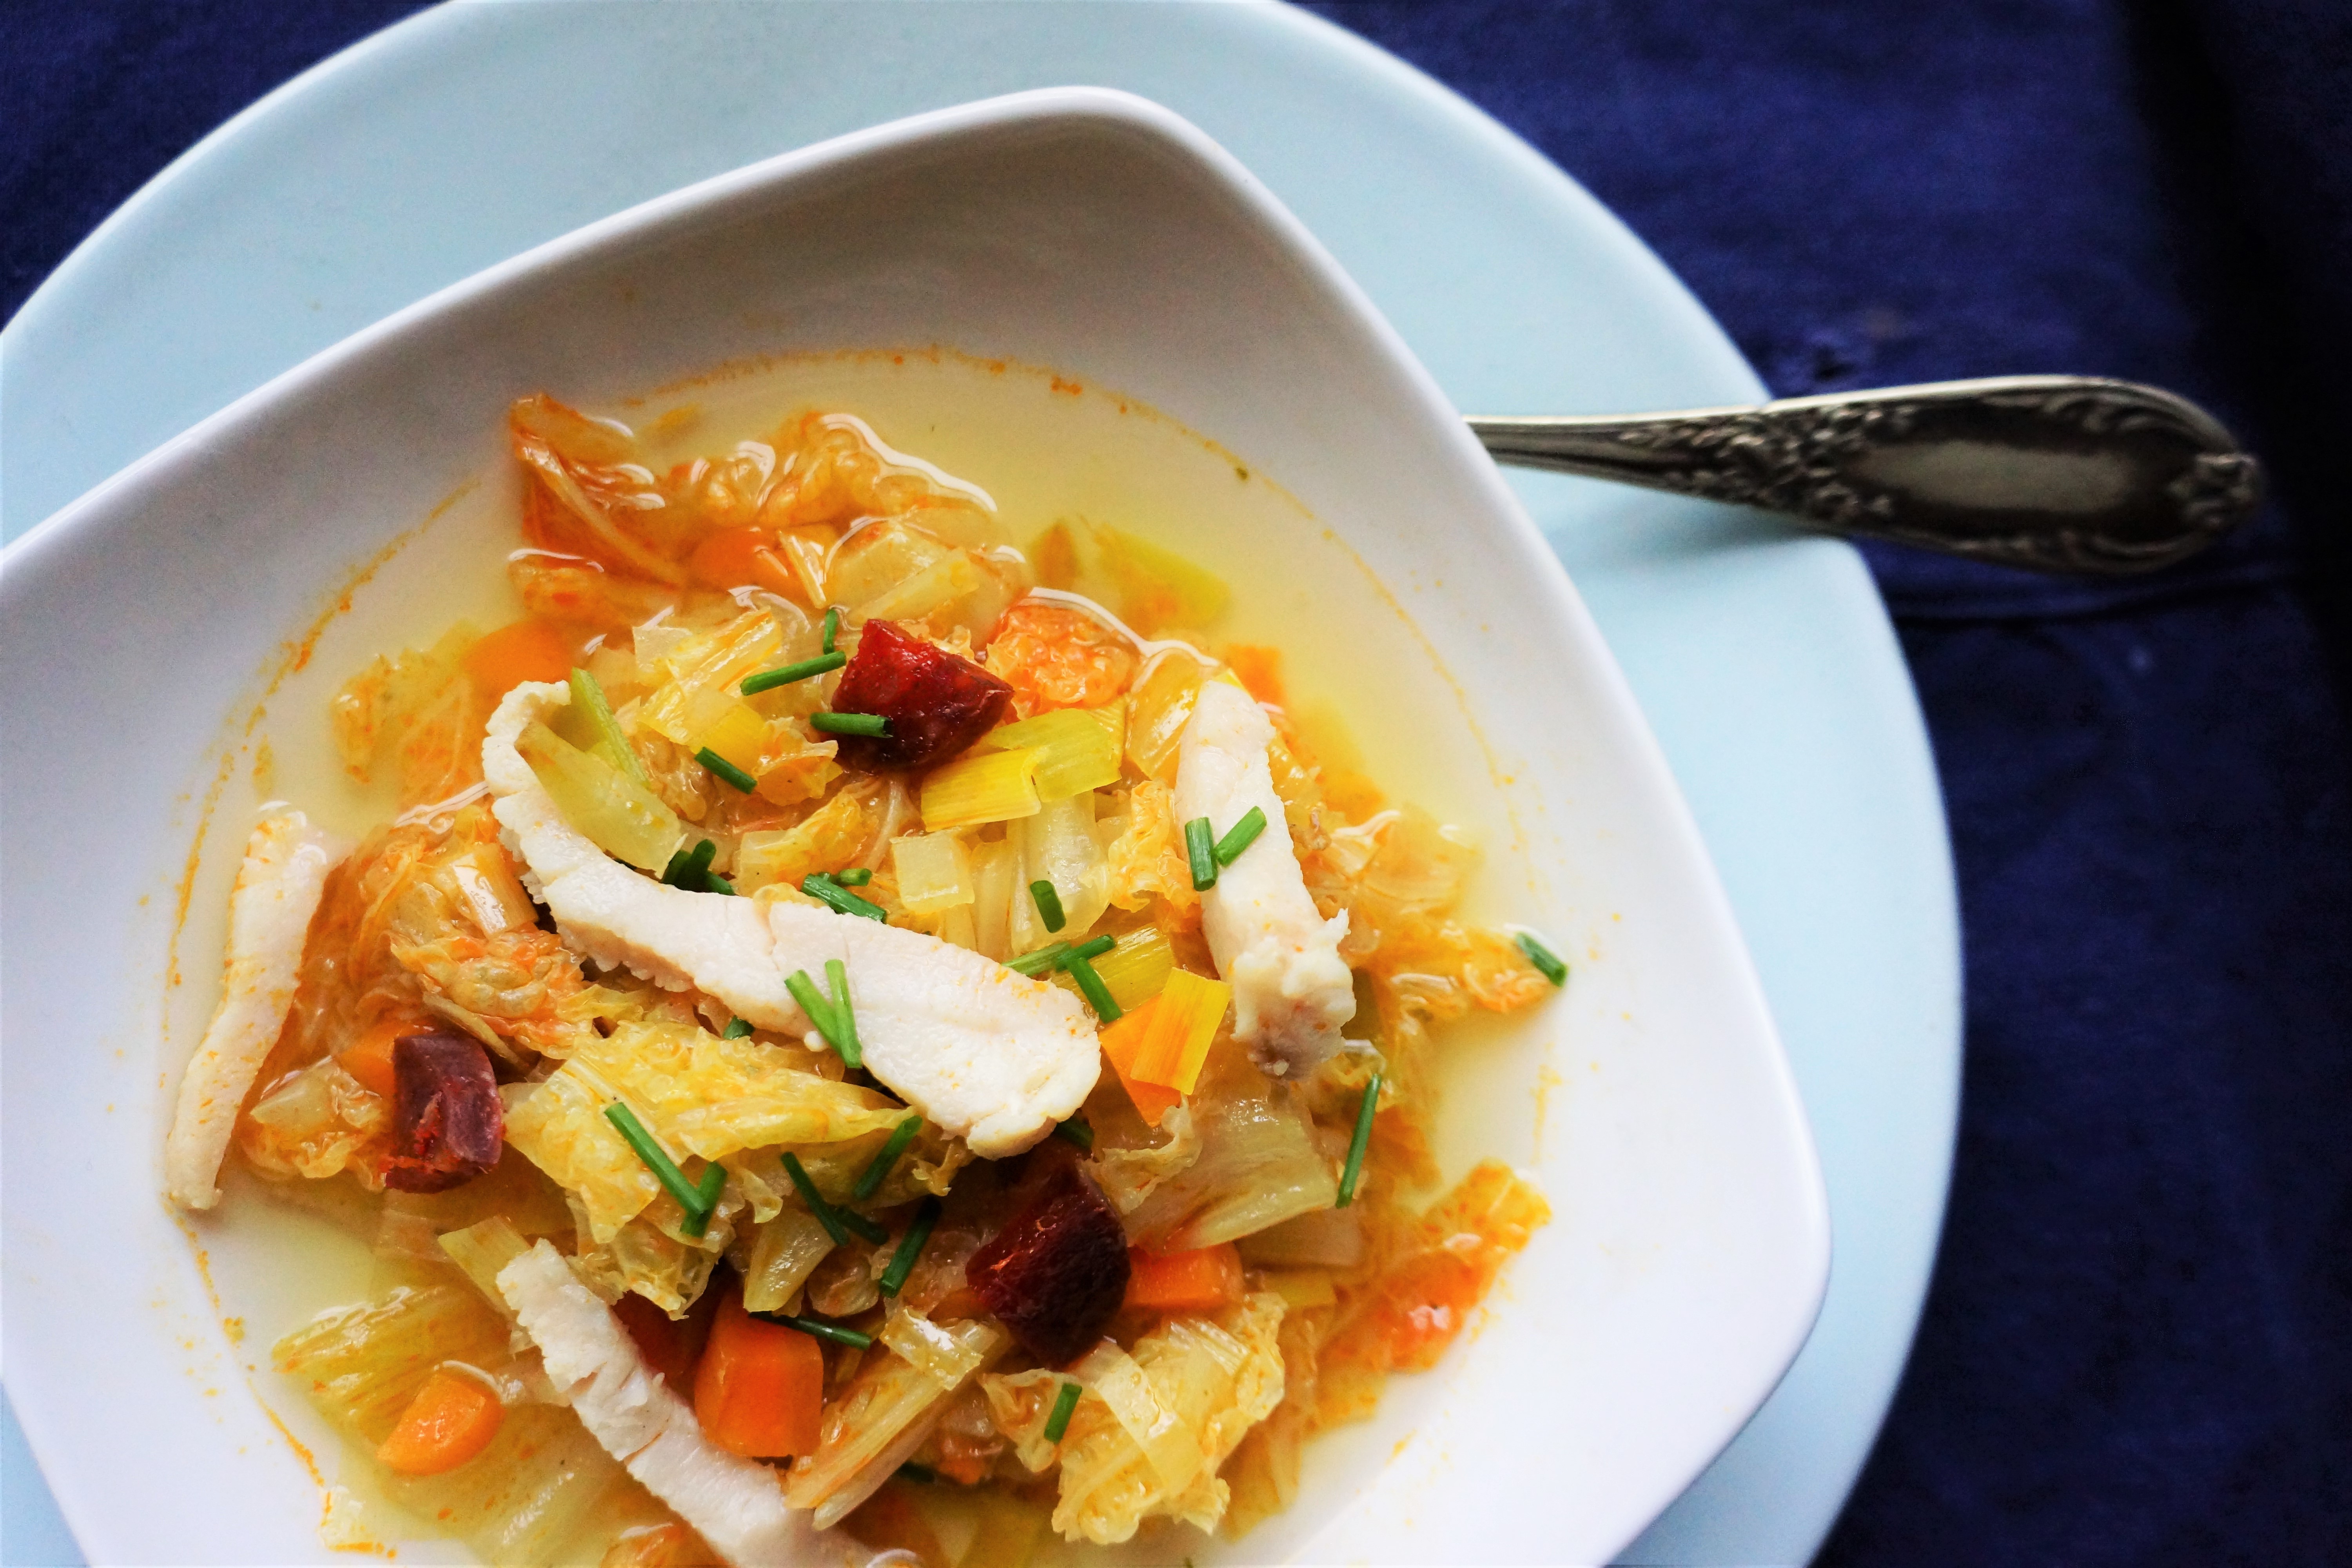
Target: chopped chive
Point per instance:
(855, 876)
(1043, 961)
(836, 976)
(910, 1248)
(1065, 1402)
(878, 1170)
(1554, 969)
(712, 882)
(1240, 836)
(786, 674)
(812, 1003)
(691, 868)
(819, 886)
(713, 1183)
(850, 723)
(1076, 1131)
(1091, 986)
(1362, 1140)
(822, 1331)
(744, 782)
(1093, 947)
(827, 1216)
(832, 627)
(665, 1169)
(923, 1474)
(736, 1029)
(1049, 905)
(1201, 849)
(860, 1225)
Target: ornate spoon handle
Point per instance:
(2061, 473)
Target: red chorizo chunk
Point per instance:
(937, 703)
(447, 1122)
(1057, 1271)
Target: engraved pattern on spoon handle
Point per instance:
(2058, 473)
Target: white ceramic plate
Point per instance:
(1763, 661)
(1071, 229)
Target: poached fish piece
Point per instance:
(1291, 990)
(991, 1056)
(279, 885)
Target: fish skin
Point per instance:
(279, 885)
(736, 1504)
(986, 1054)
(1292, 991)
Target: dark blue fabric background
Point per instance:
(2138, 1346)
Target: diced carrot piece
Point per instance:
(1201, 1280)
(526, 651)
(452, 1419)
(741, 557)
(760, 1387)
(1124, 1044)
(369, 1057)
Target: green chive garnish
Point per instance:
(831, 627)
(786, 674)
(878, 1171)
(813, 1004)
(822, 1331)
(1049, 905)
(712, 882)
(819, 886)
(850, 723)
(736, 1029)
(1076, 1130)
(713, 1183)
(1357, 1145)
(827, 1216)
(1093, 947)
(1043, 961)
(860, 1225)
(1554, 968)
(678, 862)
(1091, 986)
(1201, 849)
(1240, 836)
(665, 1169)
(836, 975)
(691, 868)
(589, 698)
(1064, 1402)
(910, 1248)
(744, 782)
(856, 877)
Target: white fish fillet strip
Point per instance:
(279, 885)
(989, 1054)
(737, 1504)
(1291, 989)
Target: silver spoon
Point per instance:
(2061, 473)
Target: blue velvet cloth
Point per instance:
(2138, 1346)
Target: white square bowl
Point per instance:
(1077, 228)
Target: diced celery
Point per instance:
(362, 1363)
(737, 734)
(876, 1424)
(993, 867)
(1157, 709)
(1059, 844)
(943, 581)
(621, 817)
(481, 1250)
(989, 787)
(1079, 748)
(706, 670)
(934, 872)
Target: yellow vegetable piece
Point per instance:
(739, 735)
(943, 581)
(1158, 709)
(934, 872)
(1079, 748)
(1135, 971)
(618, 815)
(1182, 1025)
(991, 787)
